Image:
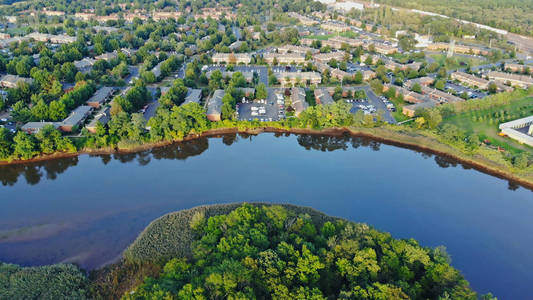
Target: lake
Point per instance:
(88, 209)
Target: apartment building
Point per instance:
(470, 80)
(284, 58)
(517, 68)
(338, 42)
(457, 48)
(335, 26)
(306, 78)
(298, 100)
(296, 49)
(522, 81)
(232, 58)
(326, 57)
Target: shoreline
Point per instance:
(383, 135)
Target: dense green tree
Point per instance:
(264, 252)
(6, 142)
(261, 91)
(24, 145)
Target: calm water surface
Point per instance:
(88, 209)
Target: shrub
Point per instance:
(62, 281)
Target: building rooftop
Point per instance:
(298, 100)
(101, 95)
(36, 126)
(103, 116)
(14, 79)
(323, 96)
(517, 123)
(214, 105)
(193, 95)
(77, 115)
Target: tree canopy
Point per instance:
(271, 252)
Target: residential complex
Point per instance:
(284, 58)
(522, 81)
(292, 78)
(297, 49)
(470, 80)
(232, 58)
(298, 100)
(11, 81)
(214, 106)
(326, 57)
(520, 130)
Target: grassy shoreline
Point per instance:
(400, 137)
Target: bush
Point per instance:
(60, 281)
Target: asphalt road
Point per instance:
(378, 104)
(262, 72)
(152, 105)
(271, 108)
(460, 89)
(134, 72)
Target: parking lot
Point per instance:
(459, 89)
(9, 125)
(352, 68)
(373, 103)
(6, 122)
(279, 69)
(361, 104)
(270, 109)
(262, 72)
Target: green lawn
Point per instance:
(320, 37)
(399, 104)
(456, 61)
(17, 30)
(485, 123)
(348, 34)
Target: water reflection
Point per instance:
(93, 211)
(33, 172)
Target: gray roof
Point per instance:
(193, 95)
(14, 79)
(422, 105)
(102, 117)
(214, 105)
(84, 63)
(77, 115)
(107, 56)
(157, 70)
(298, 100)
(105, 28)
(324, 96)
(246, 90)
(164, 89)
(101, 95)
(36, 126)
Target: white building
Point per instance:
(520, 130)
(348, 6)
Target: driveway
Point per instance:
(378, 104)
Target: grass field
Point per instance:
(485, 122)
(398, 104)
(18, 30)
(456, 61)
(348, 34)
